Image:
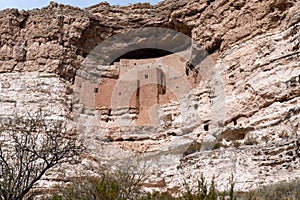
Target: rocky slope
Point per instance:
(255, 45)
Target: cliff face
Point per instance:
(252, 47)
(29, 38)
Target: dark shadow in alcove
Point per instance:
(144, 54)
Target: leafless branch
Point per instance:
(29, 146)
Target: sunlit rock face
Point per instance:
(231, 109)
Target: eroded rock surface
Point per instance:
(253, 44)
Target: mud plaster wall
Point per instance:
(146, 82)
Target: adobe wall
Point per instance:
(144, 83)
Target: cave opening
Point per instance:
(206, 127)
(145, 53)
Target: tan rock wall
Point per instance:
(254, 43)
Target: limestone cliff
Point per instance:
(253, 45)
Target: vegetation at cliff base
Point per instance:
(110, 188)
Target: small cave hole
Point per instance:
(196, 106)
(234, 122)
(95, 90)
(119, 140)
(215, 46)
(283, 100)
(131, 139)
(206, 127)
(237, 7)
(209, 2)
(171, 134)
(187, 71)
(77, 51)
(146, 76)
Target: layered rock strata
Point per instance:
(254, 46)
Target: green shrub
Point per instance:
(89, 188)
(111, 187)
(236, 144)
(280, 191)
(204, 191)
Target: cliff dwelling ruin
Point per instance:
(143, 84)
(236, 114)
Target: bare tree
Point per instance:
(130, 175)
(29, 146)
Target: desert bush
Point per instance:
(109, 188)
(123, 182)
(89, 188)
(280, 191)
(236, 144)
(217, 145)
(204, 191)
